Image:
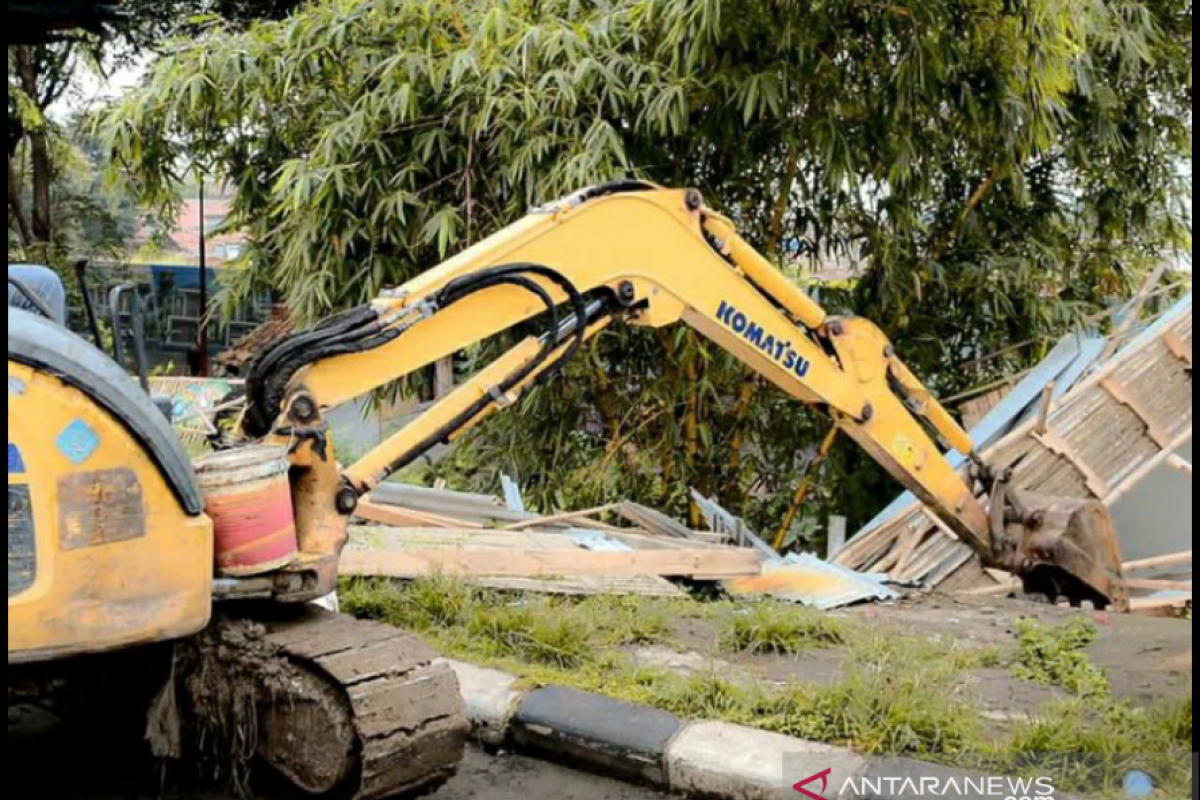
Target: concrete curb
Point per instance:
(706, 760)
(703, 760)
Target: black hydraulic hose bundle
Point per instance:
(272, 369)
(361, 330)
(468, 285)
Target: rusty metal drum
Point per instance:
(249, 499)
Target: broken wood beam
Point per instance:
(1159, 607)
(1133, 312)
(836, 540)
(561, 519)
(994, 591)
(1178, 347)
(723, 564)
(1152, 585)
(1178, 462)
(1047, 404)
(1159, 562)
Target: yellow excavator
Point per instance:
(116, 546)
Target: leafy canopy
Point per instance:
(993, 168)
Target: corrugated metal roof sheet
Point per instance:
(810, 581)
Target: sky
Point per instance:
(89, 89)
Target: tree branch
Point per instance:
(16, 203)
(977, 198)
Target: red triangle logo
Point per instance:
(823, 777)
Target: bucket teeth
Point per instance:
(1072, 552)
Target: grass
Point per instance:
(895, 695)
(1056, 657)
(779, 629)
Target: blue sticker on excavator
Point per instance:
(78, 442)
(16, 464)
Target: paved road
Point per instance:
(483, 777)
(513, 778)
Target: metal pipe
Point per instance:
(202, 324)
(89, 307)
(243, 588)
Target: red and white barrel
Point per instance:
(249, 499)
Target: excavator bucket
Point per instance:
(1069, 549)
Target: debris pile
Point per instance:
(1094, 420)
(417, 531)
(280, 324)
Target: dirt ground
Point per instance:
(1146, 659)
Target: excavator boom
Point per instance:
(653, 257)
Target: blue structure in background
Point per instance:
(171, 276)
(173, 307)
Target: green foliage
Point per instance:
(780, 628)
(1056, 657)
(994, 169)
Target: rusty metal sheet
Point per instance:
(810, 581)
(98, 508)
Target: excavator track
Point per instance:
(344, 709)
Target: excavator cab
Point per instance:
(108, 543)
(111, 577)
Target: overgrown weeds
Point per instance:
(1056, 657)
(895, 695)
(778, 628)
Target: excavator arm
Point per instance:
(653, 257)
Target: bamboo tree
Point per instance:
(991, 169)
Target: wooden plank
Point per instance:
(1063, 449)
(864, 543)
(996, 591)
(941, 525)
(643, 541)
(1159, 562)
(1151, 585)
(1044, 408)
(957, 560)
(384, 538)
(907, 547)
(1125, 396)
(725, 563)
(407, 517)
(1178, 347)
(568, 518)
(643, 586)
(837, 537)
(1178, 462)
(1159, 607)
(1132, 314)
